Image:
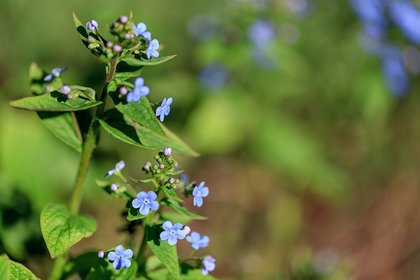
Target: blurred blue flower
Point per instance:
(185, 180)
(208, 264)
(138, 91)
(371, 13)
(197, 241)
(261, 33)
(164, 108)
(140, 30)
(55, 73)
(145, 202)
(120, 257)
(152, 49)
(199, 192)
(172, 232)
(298, 7)
(213, 76)
(203, 27)
(394, 72)
(92, 25)
(407, 17)
(118, 167)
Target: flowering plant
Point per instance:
(157, 211)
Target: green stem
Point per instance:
(141, 257)
(87, 150)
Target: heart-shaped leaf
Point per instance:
(61, 230)
(10, 270)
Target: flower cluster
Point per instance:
(402, 14)
(147, 205)
(129, 36)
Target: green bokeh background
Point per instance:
(313, 166)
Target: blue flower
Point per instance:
(139, 90)
(92, 25)
(172, 232)
(261, 33)
(140, 30)
(152, 49)
(208, 264)
(145, 202)
(407, 18)
(164, 108)
(394, 72)
(197, 241)
(120, 257)
(118, 167)
(55, 73)
(213, 76)
(371, 13)
(199, 192)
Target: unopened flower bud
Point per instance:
(109, 44)
(117, 48)
(65, 89)
(123, 19)
(187, 230)
(167, 151)
(114, 187)
(123, 90)
(92, 25)
(161, 166)
(101, 254)
(171, 180)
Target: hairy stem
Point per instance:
(89, 146)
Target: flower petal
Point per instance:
(136, 203)
(128, 253)
(112, 256)
(167, 225)
(154, 205)
(144, 209)
(164, 235)
(172, 240)
(119, 250)
(198, 201)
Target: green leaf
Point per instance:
(140, 62)
(104, 270)
(166, 253)
(142, 113)
(81, 29)
(171, 194)
(10, 270)
(57, 102)
(64, 126)
(182, 210)
(61, 230)
(134, 134)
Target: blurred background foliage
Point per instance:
(311, 152)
